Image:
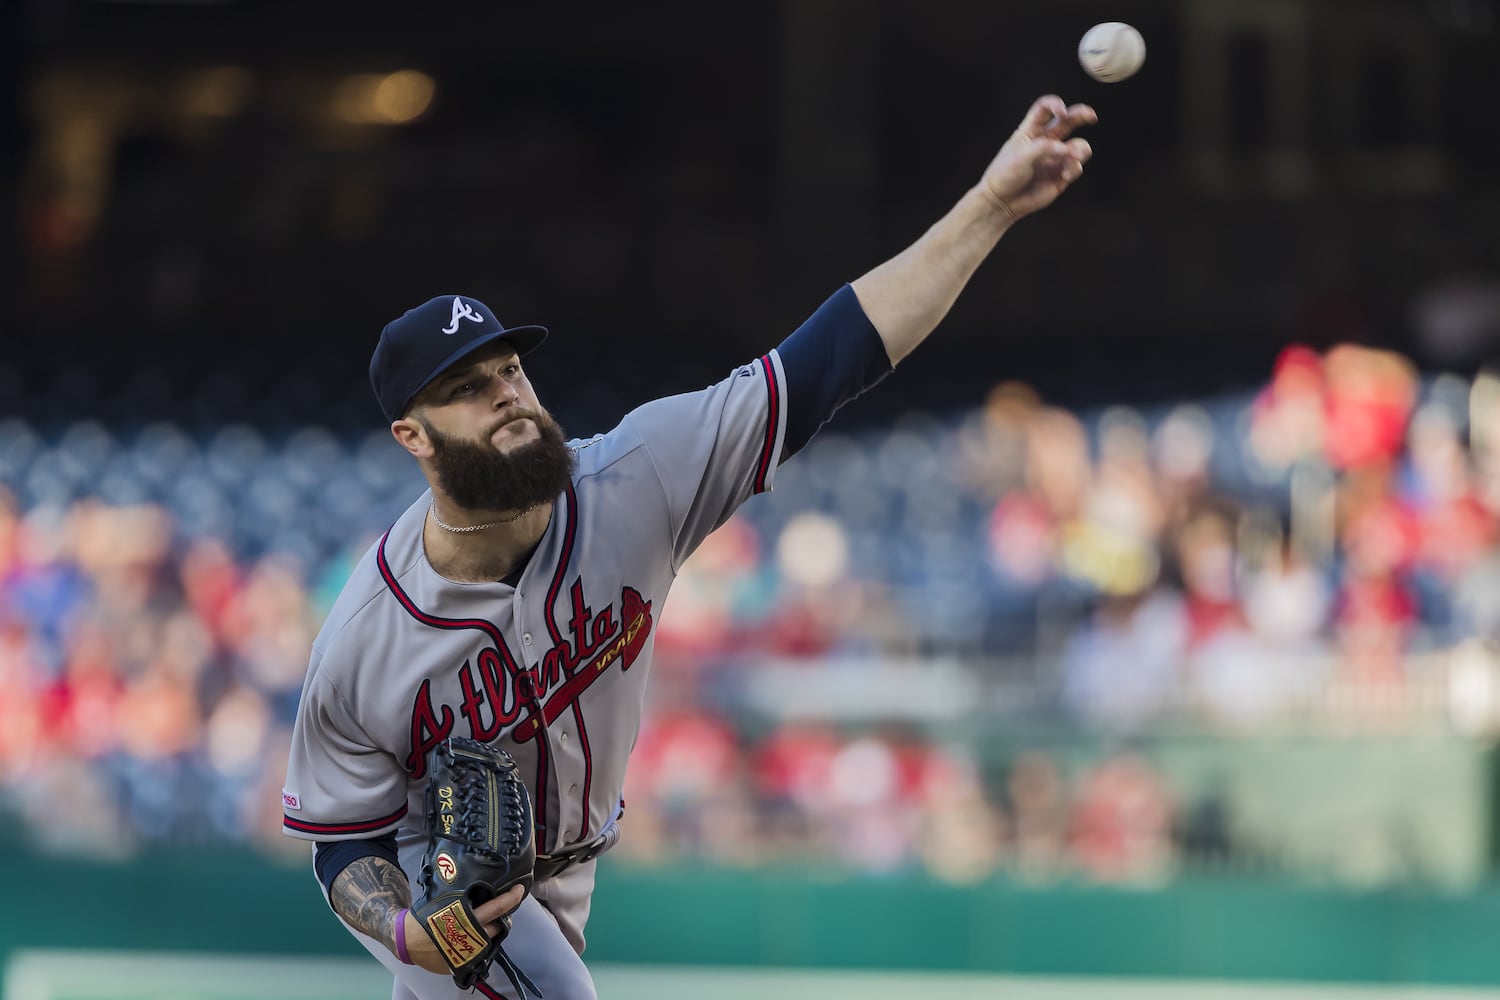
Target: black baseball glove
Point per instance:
(480, 845)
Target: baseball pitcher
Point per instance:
(512, 606)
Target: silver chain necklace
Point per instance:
(432, 509)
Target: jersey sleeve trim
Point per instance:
(770, 453)
(833, 357)
(369, 826)
(330, 858)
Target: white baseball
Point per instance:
(1112, 51)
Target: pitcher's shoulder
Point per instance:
(595, 454)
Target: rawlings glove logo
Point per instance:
(455, 934)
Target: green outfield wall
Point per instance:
(1219, 928)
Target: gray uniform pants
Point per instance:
(545, 942)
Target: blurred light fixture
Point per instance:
(398, 98)
(404, 96)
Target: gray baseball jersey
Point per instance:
(553, 669)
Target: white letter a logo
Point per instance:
(461, 310)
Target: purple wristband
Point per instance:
(401, 938)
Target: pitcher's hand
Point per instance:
(1039, 161)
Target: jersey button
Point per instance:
(526, 638)
(572, 789)
(563, 739)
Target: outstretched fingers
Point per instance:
(1074, 117)
(1055, 152)
(1044, 110)
(1050, 118)
(1064, 160)
(1077, 116)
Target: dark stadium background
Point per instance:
(672, 186)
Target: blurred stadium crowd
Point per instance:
(1321, 553)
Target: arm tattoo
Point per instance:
(369, 893)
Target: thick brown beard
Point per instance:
(476, 476)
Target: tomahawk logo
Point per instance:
(461, 310)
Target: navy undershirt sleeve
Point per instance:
(334, 856)
(830, 359)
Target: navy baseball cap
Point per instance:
(427, 340)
